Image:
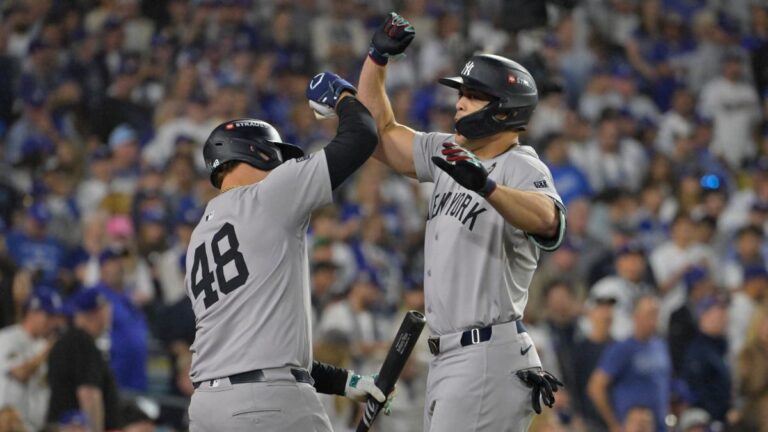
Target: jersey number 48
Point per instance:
(221, 259)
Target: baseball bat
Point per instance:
(399, 351)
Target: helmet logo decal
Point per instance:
(256, 123)
(468, 68)
(511, 79)
(315, 83)
(215, 163)
(229, 126)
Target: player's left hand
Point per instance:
(544, 386)
(465, 168)
(359, 387)
(324, 91)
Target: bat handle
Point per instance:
(371, 410)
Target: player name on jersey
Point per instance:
(457, 204)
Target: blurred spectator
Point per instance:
(124, 144)
(625, 287)
(748, 253)
(734, 107)
(639, 419)
(10, 420)
(134, 419)
(338, 36)
(571, 182)
(24, 350)
(611, 160)
(744, 306)
(671, 260)
(79, 377)
(322, 280)
(694, 420)
(683, 321)
(678, 121)
(586, 355)
(128, 330)
(33, 248)
(98, 181)
(171, 262)
(705, 366)
(561, 316)
(634, 372)
(353, 317)
(752, 373)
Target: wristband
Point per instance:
(488, 189)
(377, 57)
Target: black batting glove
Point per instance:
(391, 39)
(465, 168)
(544, 386)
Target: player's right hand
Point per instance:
(391, 39)
(324, 91)
(359, 387)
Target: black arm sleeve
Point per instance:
(329, 379)
(355, 140)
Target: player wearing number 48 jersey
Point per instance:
(248, 277)
(494, 207)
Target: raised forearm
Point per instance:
(372, 93)
(532, 212)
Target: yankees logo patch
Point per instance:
(468, 68)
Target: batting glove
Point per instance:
(391, 39)
(323, 92)
(544, 386)
(465, 168)
(359, 387)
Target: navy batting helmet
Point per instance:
(513, 90)
(252, 141)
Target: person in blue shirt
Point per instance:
(634, 372)
(129, 331)
(570, 181)
(32, 248)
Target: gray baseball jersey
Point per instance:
(478, 267)
(247, 272)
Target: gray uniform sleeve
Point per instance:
(426, 145)
(297, 187)
(530, 174)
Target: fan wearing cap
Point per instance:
(705, 367)
(79, 376)
(493, 209)
(24, 350)
(33, 247)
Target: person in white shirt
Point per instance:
(744, 304)
(24, 349)
(735, 108)
(672, 259)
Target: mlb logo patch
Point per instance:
(541, 184)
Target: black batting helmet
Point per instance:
(252, 141)
(510, 84)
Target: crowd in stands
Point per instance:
(652, 119)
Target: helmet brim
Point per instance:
(453, 82)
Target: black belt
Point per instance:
(257, 375)
(471, 337)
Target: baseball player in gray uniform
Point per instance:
(494, 207)
(248, 277)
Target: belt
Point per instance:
(472, 336)
(257, 375)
